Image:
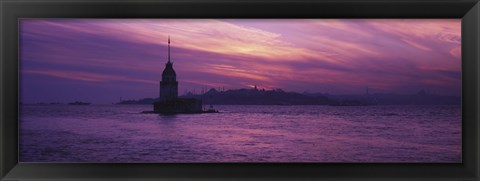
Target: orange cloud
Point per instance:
(231, 71)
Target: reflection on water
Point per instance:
(120, 133)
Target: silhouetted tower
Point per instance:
(169, 84)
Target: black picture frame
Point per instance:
(11, 10)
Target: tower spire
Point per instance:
(169, 48)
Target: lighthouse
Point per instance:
(169, 102)
(168, 84)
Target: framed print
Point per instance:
(264, 90)
(239, 90)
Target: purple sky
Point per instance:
(101, 60)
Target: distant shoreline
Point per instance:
(280, 97)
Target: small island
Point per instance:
(169, 102)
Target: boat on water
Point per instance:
(210, 110)
(78, 103)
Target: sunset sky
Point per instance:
(101, 60)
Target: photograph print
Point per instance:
(240, 90)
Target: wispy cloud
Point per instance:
(296, 55)
(85, 76)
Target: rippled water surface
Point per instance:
(120, 133)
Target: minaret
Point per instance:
(168, 48)
(169, 84)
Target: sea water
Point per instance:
(262, 133)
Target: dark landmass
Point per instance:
(280, 97)
(79, 103)
(259, 97)
(247, 97)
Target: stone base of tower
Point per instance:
(178, 106)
